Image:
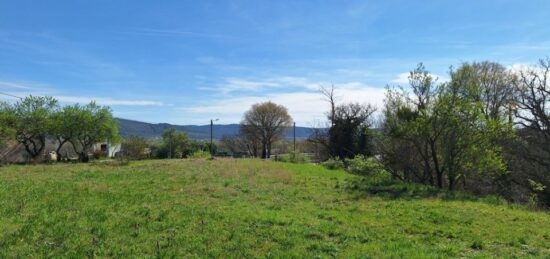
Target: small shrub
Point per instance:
(477, 245)
(200, 154)
(98, 154)
(333, 164)
(293, 157)
(362, 165)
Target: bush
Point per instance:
(98, 154)
(366, 166)
(200, 154)
(293, 157)
(333, 164)
(135, 148)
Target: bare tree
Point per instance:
(329, 95)
(266, 122)
(349, 129)
(534, 98)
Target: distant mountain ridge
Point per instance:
(154, 130)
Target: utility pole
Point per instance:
(211, 137)
(294, 137)
(10, 95)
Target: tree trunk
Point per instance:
(36, 149)
(58, 150)
(264, 150)
(451, 182)
(438, 171)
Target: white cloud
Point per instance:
(20, 85)
(231, 85)
(403, 78)
(107, 101)
(304, 106)
(16, 89)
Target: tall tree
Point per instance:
(266, 122)
(66, 125)
(534, 99)
(177, 143)
(348, 128)
(445, 126)
(347, 136)
(7, 119)
(96, 124)
(533, 118)
(32, 122)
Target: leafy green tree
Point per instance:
(66, 125)
(266, 123)
(96, 124)
(7, 120)
(32, 122)
(176, 143)
(445, 126)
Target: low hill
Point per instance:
(227, 208)
(150, 130)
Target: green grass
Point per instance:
(248, 208)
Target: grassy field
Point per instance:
(247, 208)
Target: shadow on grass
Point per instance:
(393, 189)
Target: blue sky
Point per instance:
(186, 62)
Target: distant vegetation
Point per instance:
(200, 132)
(33, 119)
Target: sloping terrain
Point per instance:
(248, 208)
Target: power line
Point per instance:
(10, 95)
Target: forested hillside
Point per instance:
(150, 130)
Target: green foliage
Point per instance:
(333, 164)
(265, 123)
(65, 124)
(135, 148)
(176, 144)
(200, 154)
(7, 119)
(442, 132)
(366, 166)
(477, 244)
(349, 134)
(248, 208)
(33, 119)
(32, 122)
(293, 157)
(96, 124)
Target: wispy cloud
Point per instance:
(230, 85)
(175, 33)
(403, 78)
(21, 85)
(107, 101)
(304, 106)
(12, 90)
